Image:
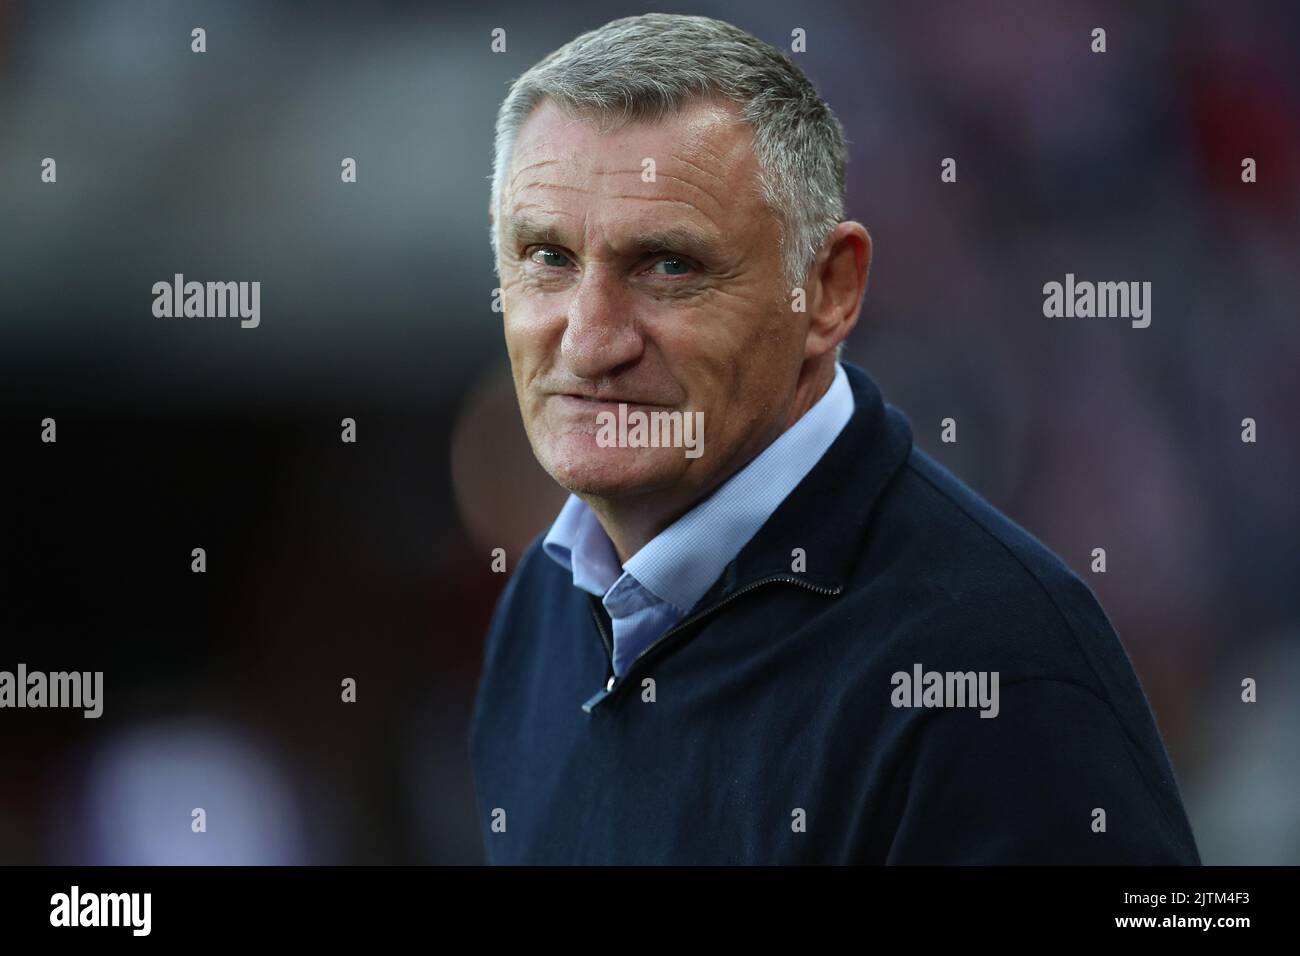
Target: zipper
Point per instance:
(615, 682)
(608, 642)
(600, 626)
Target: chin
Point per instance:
(584, 468)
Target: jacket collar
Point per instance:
(827, 513)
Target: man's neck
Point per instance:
(632, 522)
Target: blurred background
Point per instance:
(372, 560)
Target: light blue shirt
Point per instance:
(660, 584)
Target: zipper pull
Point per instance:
(600, 694)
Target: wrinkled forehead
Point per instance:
(699, 156)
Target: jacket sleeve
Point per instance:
(1052, 779)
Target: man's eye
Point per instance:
(673, 266)
(549, 257)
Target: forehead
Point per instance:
(704, 166)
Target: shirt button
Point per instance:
(610, 684)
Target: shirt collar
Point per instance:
(578, 543)
(683, 560)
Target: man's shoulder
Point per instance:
(939, 506)
(527, 604)
(978, 592)
(536, 576)
(970, 579)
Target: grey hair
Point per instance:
(645, 67)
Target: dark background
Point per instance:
(371, 560)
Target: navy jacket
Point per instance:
(763, 728)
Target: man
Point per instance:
(806, 642)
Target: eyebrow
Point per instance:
(523, 230)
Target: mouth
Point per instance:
(576, 400)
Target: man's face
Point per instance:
(666, 295)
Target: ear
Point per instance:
(836, 283)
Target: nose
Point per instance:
(602, 335)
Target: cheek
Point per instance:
(530, 326)
(721, 349)
(742, 377)
(703, 340)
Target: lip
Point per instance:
(587, 401)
